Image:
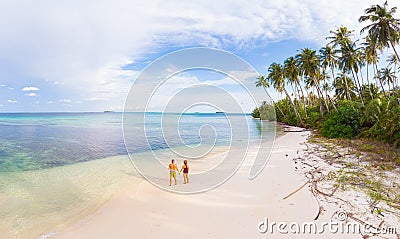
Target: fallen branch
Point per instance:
(291, 194)
(321, 209)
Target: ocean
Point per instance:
(56, 168)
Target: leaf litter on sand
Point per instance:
(363, 184)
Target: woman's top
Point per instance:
(186, 169)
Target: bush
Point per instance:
(267, 112)
(381, 120)
(255, 113)
(315, 120)
(290, 117)
(343, 124)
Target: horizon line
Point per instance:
(73, 112)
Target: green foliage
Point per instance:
(264, 112)
(256, 113)
(314, 120)
(267, 112)
(343, 124)
(371, 113)
(289, 116)
(381, 120)
(369, 91)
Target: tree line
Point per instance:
(332, 89)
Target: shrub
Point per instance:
(267, 112)
(315, 120)
(255, 113)
(343, 124)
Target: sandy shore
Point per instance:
(233, 210)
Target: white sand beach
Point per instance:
(233, 210)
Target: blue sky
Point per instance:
(84, 56)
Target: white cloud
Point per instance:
(58, 83)
(50, 102)
(11, 88)
(1, 105)
(11, 101)
(31, 94)
(2, 85)
(30, 88)
(64, 100)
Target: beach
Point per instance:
(60, 168)
(233, 210)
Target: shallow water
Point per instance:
(36, 202)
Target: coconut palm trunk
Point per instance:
(369, 85)
(347, 87)
(394, 49)
(294, 107)
(379, 80)
(355, 77)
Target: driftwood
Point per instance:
(295, 191)
(315, 177)
(294, 130)
(320, 210)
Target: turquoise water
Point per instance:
(44, 140)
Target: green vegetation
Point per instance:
(328, 89)
(342, 124)
(256, 113)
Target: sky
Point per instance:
(85, 55)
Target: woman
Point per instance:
(185, 169)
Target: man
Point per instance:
(172, 172)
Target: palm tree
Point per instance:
(349, 61)
(276, 76)
(292, 73)
(370, 91)
(344, 86)
(371, 57)
(393, 60)
(384, 27)
(309, 64)
(387, 76)
(328, 59)
(262, 82)
(319, 79)
(340, 37)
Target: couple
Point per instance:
(173, 169)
